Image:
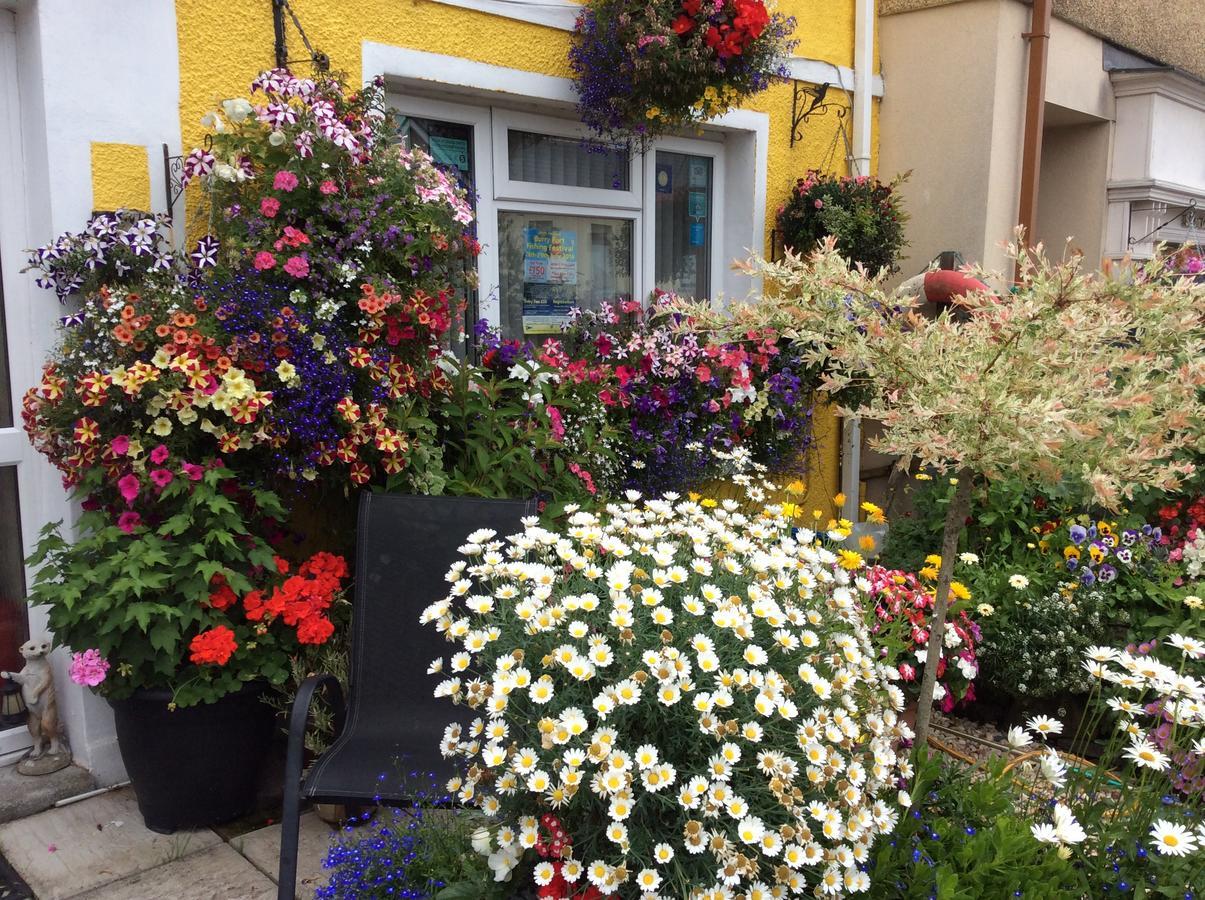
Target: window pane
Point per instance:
(546, 159)
(551, 263)
(451, 147)
(6, 385)
(683, 224)
(14, 623)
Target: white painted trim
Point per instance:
(559, 15)
(819, 71)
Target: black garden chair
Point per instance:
(405, 546)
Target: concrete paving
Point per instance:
(67, 851)
(262, 849)
(98, 849)
(218, 873)
(24, 795)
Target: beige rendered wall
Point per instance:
(954, 112)
(1073, 198)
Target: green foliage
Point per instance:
(962, 840)
(140, 597)
(513, 434)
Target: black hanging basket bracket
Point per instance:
(319, 60)
(808, 101)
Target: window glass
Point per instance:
(683, 214)
(547, 159)
(6, 385)
(14, 622)
(550, 263)
(451, 147)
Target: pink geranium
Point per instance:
(120, 444)
(328, 187)
(128, 521)
(159, 454)
(269, 206)
(284, 181)
(88, 668)
(162, 478)
(264, 260)
(297, 266)
(129, 487)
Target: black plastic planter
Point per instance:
(197, 766)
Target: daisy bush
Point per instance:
(1134, 818)
(674, 699)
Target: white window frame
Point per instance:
(693, 147)
(485, 96)
(561, 194)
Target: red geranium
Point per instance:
(213, 647)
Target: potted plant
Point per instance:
(641, 70)
(861, 212)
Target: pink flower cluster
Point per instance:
(88, 668)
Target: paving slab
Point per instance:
(218, 873)
(73, 849)
(262, 848)
(24, 795)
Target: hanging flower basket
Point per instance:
(641, 70)
(861, 212)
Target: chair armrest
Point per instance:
(299, 716)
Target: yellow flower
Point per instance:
(873, 513)
(161, 427)
(791, 510)
(796, 487)
(839, 500)
(816, 514)
(1192, 601)
(1104, 528)
(933, 559)
(286, 371)
(866, 542)
(850, 559)
(921, 476)
(953, 481)
(960, 590)
(652, 112)
(162, 359)
(693, 497)
(708, 502)
(929, 572)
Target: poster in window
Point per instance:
(452, 152)
(550, 256)
(697, 205)
(698, 172)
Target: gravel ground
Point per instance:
(969, 737)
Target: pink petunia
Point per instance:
(269, 206)
(129, 487)
(128, 521)
(328, 187)
(264, 260)
(193, 471)
(297, 266)
(284, 181)
(161, 477)
(159, 454)
(120, 444)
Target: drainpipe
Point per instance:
(1035, 115)
(851, 428)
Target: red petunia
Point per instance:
(683, 25)
(213, 647)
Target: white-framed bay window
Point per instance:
(565, 222)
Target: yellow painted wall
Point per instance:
(222, 46)
(121, 177)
